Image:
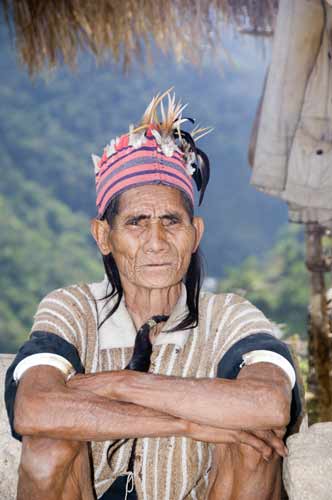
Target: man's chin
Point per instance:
(158, 279)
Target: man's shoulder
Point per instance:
(77, 294)
(67, 291)
(233, 315)
(225, 300)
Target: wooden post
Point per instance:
(318, 327)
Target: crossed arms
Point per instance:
(121, 404)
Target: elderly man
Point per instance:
(207, 420)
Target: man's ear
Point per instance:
(198, 224)
(100, 231)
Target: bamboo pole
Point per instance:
(320, 356)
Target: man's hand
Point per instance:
(274, 439)
(265, 442)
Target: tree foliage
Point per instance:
(43, 246)
(276, 283)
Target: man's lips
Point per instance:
(159, 264)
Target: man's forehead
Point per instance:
(151, 199)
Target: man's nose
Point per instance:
(156, 239)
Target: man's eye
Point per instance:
(170, 221)
(132, 222)
(136, 221)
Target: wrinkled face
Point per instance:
(152, 237)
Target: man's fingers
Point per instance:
(257, 443)
(264, 442)
(275, 442)
(280, 432)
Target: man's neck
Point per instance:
(143, 303)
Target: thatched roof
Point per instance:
(50, 31)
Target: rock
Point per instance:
(10, 447)
(307, 469)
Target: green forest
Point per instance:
(278, 283)
(51, 125)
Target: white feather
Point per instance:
(168, 146)
(190, 170)
(162, 109)
(110, 148)
(156, 135)
(179, 122)
(95, 160)
(137, 140)
(191, 158)
(207, 131)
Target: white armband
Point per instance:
(44, 358)
(270, 357)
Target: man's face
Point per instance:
(152, 238)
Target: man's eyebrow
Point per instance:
(137, 217)
(142, 216)
(172, 215)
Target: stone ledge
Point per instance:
(307, 469)
(10, 448)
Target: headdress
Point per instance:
(157, 151)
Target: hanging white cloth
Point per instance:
(293, 154)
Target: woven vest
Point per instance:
(173, 468)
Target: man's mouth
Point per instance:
(159, 264)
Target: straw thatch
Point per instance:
(48, 32)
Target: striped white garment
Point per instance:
(168, 468)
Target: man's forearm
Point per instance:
(234, 404)
(51, 409)
(102, 383)
(48, 407)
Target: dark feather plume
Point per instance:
(201, 173)
(192, 120)
(186, 137)
(197, 176)
(204, 169)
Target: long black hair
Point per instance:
(192, 279)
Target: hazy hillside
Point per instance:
(277, 284)
(49, 128)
